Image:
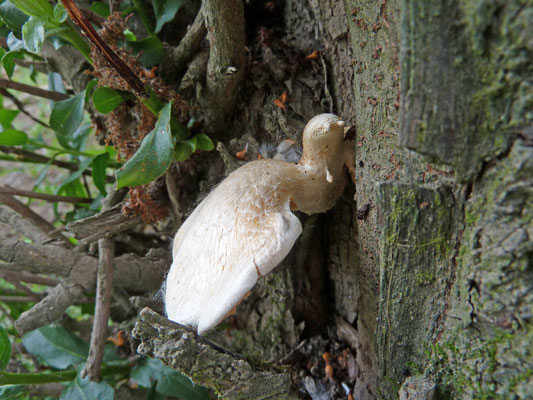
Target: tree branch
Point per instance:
(104, 292)
(192, 40)
(21, 224)
(43, 196)
(230, 374)
(225, 23)
(21, 107)
(33, 90)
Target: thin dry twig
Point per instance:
(33, 90)
(43, 196)
(23, 276)
(173, 194)
(21, 107)
(112, 58)
(104, 292)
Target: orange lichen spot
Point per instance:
(313, 55)
(242, 154)
(350, 397)
(283, 97)
(118, 340)
(329, 373)
(259, 156)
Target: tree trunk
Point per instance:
(426, 278)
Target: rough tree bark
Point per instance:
(429, 271)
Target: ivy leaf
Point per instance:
(99, 165)
(152, 50)
(12, 137)
(183, 150)
(106, 99)
(169, 381)
(5, 348)
(202, 142)
(83, 388)
(164, 11)
(56, 346)
(66, 117)
(153, 157)
(33, 35)
(12, 16)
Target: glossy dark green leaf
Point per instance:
(7, 117)
(5, 348)
(67, 115)
(12, 137)
(35, 8)
(164, 11)
(83, 388)
(33, 35)
(14, 43)
(100, 8)
(153, 157)
(99, 165)
(106, 99)
(8, 60)
(169, 381)
(202, 142)
(56, 346)
(13, 392)
(152, 50)
(12, 16)
(183, 150)
(55, 82)
(60, 14)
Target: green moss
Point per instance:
(424, 278)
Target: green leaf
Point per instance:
(12, 16)
(13, 43)
(183, 150)
(56, 346)
(12, 137)
(164, 11)
(33, 35)
(153, 157)
(35, 8)
(169, 381)
(66, 116)
(55, 82)
(89, 89)
(83, 388)
(106, 99)
(99, 165)
(13, 392)
(202, 142)
(5, 348)
(60, 14)
(152, 50)
(7, 117)
(9, 61)
(100, 8)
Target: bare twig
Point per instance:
(39, 66)
(230, 374)
(43, 196)
(104, 224)
(104, 292)
(31, 157)
(36, 228)
(17, 299)
(112, 58)
(33, 90)
(186, 50)
(173, 194)
(22, 225)
(24, 276)
(21, 107)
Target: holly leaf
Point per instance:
(83, 388)
(183, 150)
(12, 16)
(153, 157)
(151, 48)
